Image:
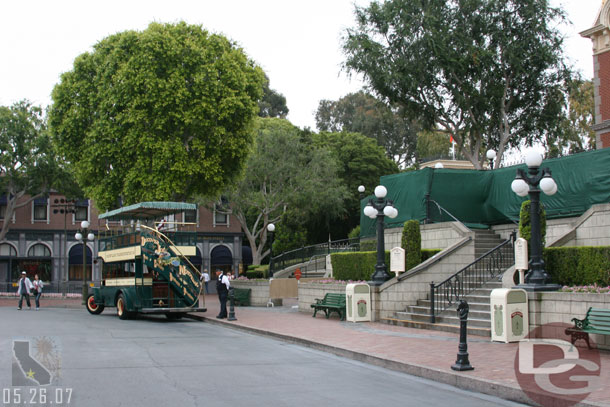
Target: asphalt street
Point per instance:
(103, 361)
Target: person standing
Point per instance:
(38, 285)
(222, 287)
(206, 279)
(25, 287)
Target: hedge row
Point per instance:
(254, 272)
(583, 265)
(361, 265)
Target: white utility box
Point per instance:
(358, 302)
(509, 314)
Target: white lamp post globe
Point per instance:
(548, 185)
(271, 227)
(78, 236)
(84, 224)
(380, 191)
(491, 155)
(90, 236)
(533, 158)
(361, 188)
(519, 187)
(394, 213)
(370, 211)
(439, 165)
(387, 211)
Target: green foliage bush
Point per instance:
(368, 245)
(361, 265)
(257, 271)
(578, 265)
(525, 227)
(354, 233)
(411, 243)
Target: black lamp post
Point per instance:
(537, 279)
(271, 229)
(379, 208)
(64, 206)
(80, 236)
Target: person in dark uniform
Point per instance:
(222, 288)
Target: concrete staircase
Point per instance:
(479, 317)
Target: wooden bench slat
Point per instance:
(596, 321)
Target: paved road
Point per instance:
(155, 362)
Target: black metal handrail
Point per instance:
(474, 276)
(303, 254)
(432, 217)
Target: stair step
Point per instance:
(451, 320)
(450, 312)
(478, 331)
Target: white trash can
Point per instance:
(509, 314)
(358, 302)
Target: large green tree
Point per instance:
(273, 103)
(29, 167)
(361, 162)
(283, 174)
(362, 113)
(165, 113)
(488, 72)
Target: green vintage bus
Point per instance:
(145, 265)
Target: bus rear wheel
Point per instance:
(92, 307)
(121, 308)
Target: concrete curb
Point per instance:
(456, 379)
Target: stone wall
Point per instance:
(433, 236)
(548, 307)
(259, 296)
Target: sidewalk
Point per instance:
(419, 352)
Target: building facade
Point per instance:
(600, 38)
(41, 240)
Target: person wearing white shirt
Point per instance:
(24, 289)
(206, 279)
(222, 287)
(38, 286)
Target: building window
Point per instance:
(221, 216)
(40, 210)
(39, 250)
(190, 216)
(81, 211)
(7, 250)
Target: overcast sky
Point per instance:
(296, 42)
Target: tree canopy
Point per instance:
(283, 173)
(165, 113)
(488, 72)
(273, 103)
(28, 165)
(363, 113)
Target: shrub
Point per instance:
(427, 253)
(525, 227)
(355, 265)
(355, 233)
(368, 246)
(578, 266)
(257, 271)
(411, 243)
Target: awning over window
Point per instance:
(76, 255)
(196, 259)
(221, 256)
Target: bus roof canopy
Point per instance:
(147, 210)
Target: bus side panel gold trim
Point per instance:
(123, 254)
(126, 281)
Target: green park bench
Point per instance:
(597, 321)
(242, 296)
(331, 302)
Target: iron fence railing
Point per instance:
(304, 254)
(487, 267)
(63, 288)
(435, 213)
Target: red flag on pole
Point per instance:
(451, 138)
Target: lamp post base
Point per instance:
(539, 287)
(85, 293)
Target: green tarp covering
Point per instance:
(483, 198)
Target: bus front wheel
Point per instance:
(92, 307)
